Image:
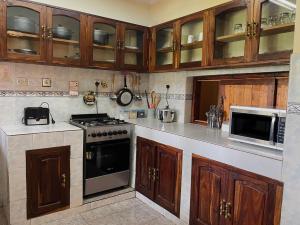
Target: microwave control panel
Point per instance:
(281, 130)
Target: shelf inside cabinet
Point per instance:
(231, 37)
(132, 50)
(65, 41)
(17, 34)
(282, 28)
(165, 50)
(196, 44)
(108, 47)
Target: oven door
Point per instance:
(106, 165)
(254, 128)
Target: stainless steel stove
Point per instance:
(106, 152)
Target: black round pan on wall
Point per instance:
(125, 95)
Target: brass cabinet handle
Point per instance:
(228, 210)
(156, 174)
(50, 34)
(44, 30)
(149, 173)
(63, 178)
(248, 29)
(222, 207)
(254, 29)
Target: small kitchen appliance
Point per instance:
(106, 152)
(258, 126)
(166, 115)
(36, 116)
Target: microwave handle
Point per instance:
(272, 129)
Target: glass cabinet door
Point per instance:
(133, 48)
(231, 33)
(277, 24)
(165, 48)
(64, 34)
(25, 31)
(191, 43)
(104, 43)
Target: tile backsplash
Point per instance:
(21, 86)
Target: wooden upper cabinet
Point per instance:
(134, 47)
(191, 41)
(273, 26)
(48, 180)
(163, 47)
(232, 43)
(168, 178)
(103, 42)
(65, 35)
(24, 26)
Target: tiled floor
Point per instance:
(128, 212)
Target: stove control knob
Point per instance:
(94, 135)
(110, 133)
(99, 134)
(120, 132)
(125, 132)
(104, 134)
(115, 133)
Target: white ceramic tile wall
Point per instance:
(291, 156)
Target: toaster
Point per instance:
(36, 116)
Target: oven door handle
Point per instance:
(272, 128)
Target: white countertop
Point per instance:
(205, 134)
(21, 129)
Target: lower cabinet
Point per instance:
(158, 173)
(222, 194)
(48, 180)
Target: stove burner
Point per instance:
(92, 122)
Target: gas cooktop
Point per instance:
(94, 120)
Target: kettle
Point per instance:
(166, 115)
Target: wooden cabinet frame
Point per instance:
(42, 48)
(225, 195)
(158, 173)
(276, 93)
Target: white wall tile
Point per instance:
(47, 140)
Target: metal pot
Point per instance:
(101, 37)
(22, 24)
(166, 115)
(62, 32)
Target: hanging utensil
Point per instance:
(148, 104)
(113, 95)
(157, 100)
(125, 95)
(153, 95)
(138, 96)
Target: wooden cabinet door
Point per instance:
(2, 28)
(163, 47)
(145, 165)
(48, 180)
(24, 26)
(66, 35)
(168, 178)
(249, 201)
(232, 40)
(273, 27)
(208, 193)
(134, 47)
(103, 36)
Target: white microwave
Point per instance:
(258, 126)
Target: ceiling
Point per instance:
(150, 2)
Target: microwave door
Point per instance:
(253, 128)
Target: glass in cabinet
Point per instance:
(104, 43)
(25, 31)
(165, 47)
(133, 47)
(276, 24)
(191, 42)
(63, 33)
(231, 32)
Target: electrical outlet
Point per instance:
(46, 82)
(22, 81)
